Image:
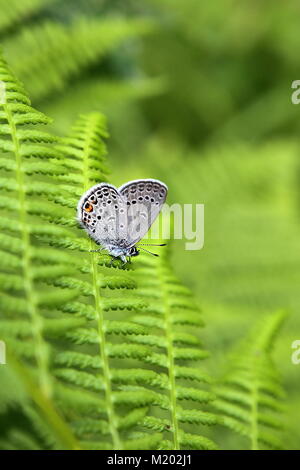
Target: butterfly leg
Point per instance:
(123, 258)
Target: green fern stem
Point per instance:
(171, 362)
(112, 419)
(106, 370)
(37, 326)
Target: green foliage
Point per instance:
(205, 106)
(238, 71)
(100, 402)
(250, 394)
(172, 317)
(250, 190)
(25, 294)
(50, 55)
(15, 12)
(64, 49)
(26, 300)
(250, 258)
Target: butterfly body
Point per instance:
(117, 219)
(122, 253)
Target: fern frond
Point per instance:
(26, 298)
(100, 292)
(14, 12)
(101, 404)
(249, 397)
(49, 54)
(170, 307)
(22, 150)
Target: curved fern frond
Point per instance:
(27, 301)
(86, 364)
(155, 337)
(32, 315)
(14, 12)
(250, 395)
(46, 56)
(171, 308)
(106, 369)
(21, 272)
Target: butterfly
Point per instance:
(117, 219)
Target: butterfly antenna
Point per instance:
(152, 244)
(91, 251)
(150, 252)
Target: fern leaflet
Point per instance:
(27, 302)
(250, 394)
(170, 314)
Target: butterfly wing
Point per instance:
(144, 199)
(101, 212)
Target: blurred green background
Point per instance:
(197, 94)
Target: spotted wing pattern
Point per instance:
(144, 199)
(102, 213)
(121, 217)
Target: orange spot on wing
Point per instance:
(88, 207)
